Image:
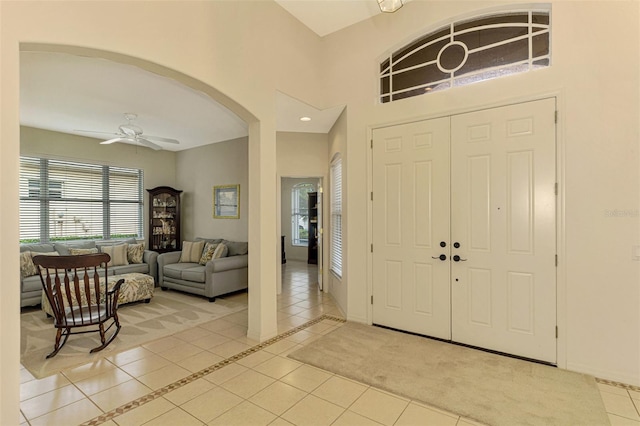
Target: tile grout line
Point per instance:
(199, 374)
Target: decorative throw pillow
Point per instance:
(65, 249)
(237, 248)
(207, 253)
(221, 251)
(27, 267)
(191, 251)
(118, 254)
(135, 253)
(77, 251)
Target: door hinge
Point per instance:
(556, 117)
(371, 143)
(556, 331)
(371, 248)
(555, 188)
(556, 260)
(372, 299)
(371, 195)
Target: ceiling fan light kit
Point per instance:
(389, 6)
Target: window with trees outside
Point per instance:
(61, 200)
(300, 213)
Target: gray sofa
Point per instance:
(214, 278)
(31, 288)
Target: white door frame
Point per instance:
(323, 266)
(561, 283)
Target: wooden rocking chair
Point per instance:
(77, 297)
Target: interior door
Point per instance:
(503, 218)
(411, 286)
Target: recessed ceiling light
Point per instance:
(305, 118)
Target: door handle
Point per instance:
(457, 258)
(442, 257)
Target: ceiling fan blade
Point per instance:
(96, 132)
(160, 139)
(148, 143)
(114, 140)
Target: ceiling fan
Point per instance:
(129, 132)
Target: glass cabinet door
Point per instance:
(164, 219)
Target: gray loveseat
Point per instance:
(204, 277)
(31, 288)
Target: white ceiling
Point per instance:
(68, 93)
(327, 16)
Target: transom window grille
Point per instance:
(467, 52)
(300, 213)
(61, 200)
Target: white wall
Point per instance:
(595, 75)
(198, 171)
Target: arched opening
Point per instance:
(146, 65)
(155, 68)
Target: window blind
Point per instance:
(335, 255)
(62, 200)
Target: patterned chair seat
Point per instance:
(136, 287)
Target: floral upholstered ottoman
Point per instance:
(136, 287)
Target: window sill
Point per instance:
(335, 275)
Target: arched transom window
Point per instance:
(466, 52)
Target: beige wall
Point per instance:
(159, 167)
(193, 171)
(198, 171)
(595, 76)
(302, 155)
(300, 253)
(226, 49)
(337, 286)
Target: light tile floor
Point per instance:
(147, 386)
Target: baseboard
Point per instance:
(616, 376)
(261, 337)
(361, 320)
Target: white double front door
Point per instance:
(464, 228)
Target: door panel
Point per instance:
(478, 202)
(410, 219)
(503, 215)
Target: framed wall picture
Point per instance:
(226, 202)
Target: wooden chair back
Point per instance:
(77, 294)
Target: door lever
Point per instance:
(457, 258)
(441, 257)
